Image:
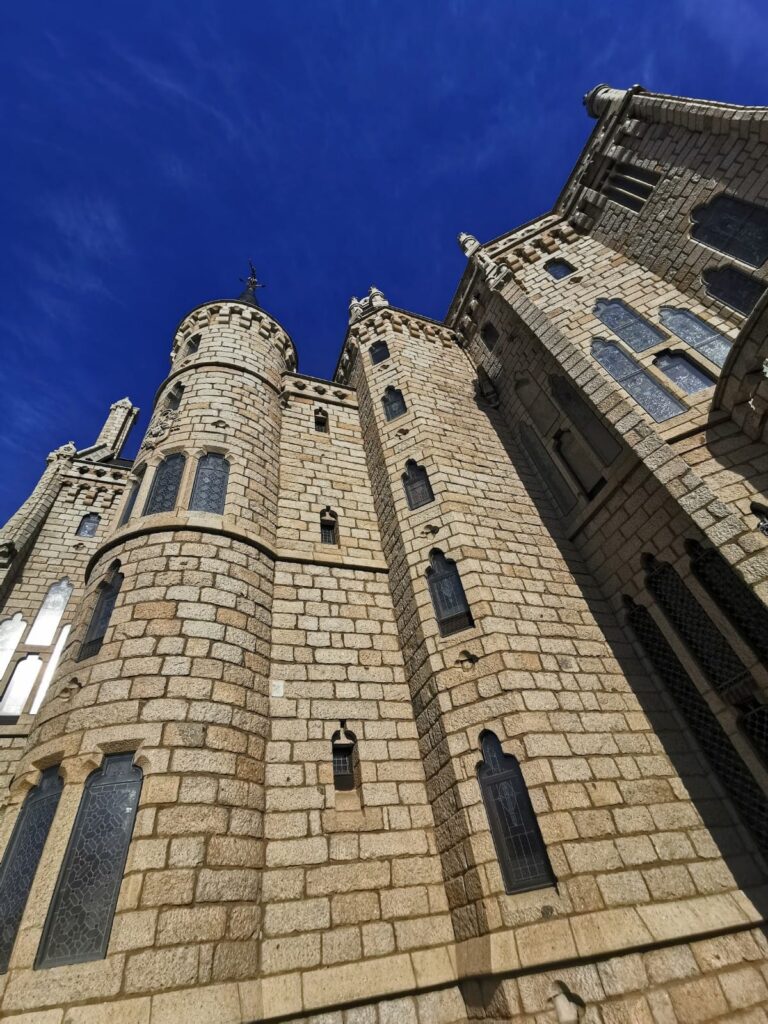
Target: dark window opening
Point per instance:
(394, 403)
(173, 398)
(734, 288)
(489, 336)
(579, 463)
(379, 351)
(321, 421)
(628, 185)
(89, 524)
(209, 491)
(543, 464)
(447, 592)
(102, 613)
(596, 434)
(344, 754)
(329, 526)
(684, 372)
(125, 515)
(418, 490)
(165, 486)
(192, 345)
(559, 269)
(733, 226)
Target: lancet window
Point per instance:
(165, 486)
(447, 592)
(636, 381)
(379, 351)
(393, 402)
(209, 491)
(48, 618)
(418, 490)
(89, 524)
(102, 613)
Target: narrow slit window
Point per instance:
(520, 848)
(89, 524)
(393, 402)
(22, 856)
(173, 398)
(192, 345)
(689, 377)
(628, 325)
(20, 686)
(80, 917)
(489, 335)
(50, 668)
(734, 227)
(629, 186)
(165, 486)
(559, 269)
(329, 526)
(343, 754)
(636, 381)
(379, 351)
(209, 491)
(321, 421)
(733, 288)
(48, 618)
(451, 607)
(102, 613)
(11, 631)
(125, 515)
(697, 333)
(418, 490)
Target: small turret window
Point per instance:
(173, 398)
(733, 226)
(89, 524)
(379, 351)
(209, 491)
(489, 336)
(165, 486)
(628, 325)
(636, 381)
(418, 490)
(447, 592)
(125, 515)
(734, 288)
(192, 345)
(394, 403)
(558, 269)
(683, 371)
(329, 526)
(48, 618)
(321, 421)
(102, 612)
(697, 333)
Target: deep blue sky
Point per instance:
(151, 148)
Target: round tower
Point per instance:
(168, 663)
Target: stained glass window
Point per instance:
(22, 855)
(597, 435)
(165, 486)
(48, 618)
(636, 381)
(89, 524)
(541, 461)
(11, 631)
(80, 916)
(20, 686)
(558, 269)
(450, 603)
(520, 849)
(697, 333)
(489, 336)
(683, 371)
(418, 490)
(733, 226)
(628, 325)
(321, 421)
(393, 402)
(329, 527)
(102, 613)
(209, 492)
(125, 515)
(379, 351)
(733, 287)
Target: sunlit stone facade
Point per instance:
(436, 692)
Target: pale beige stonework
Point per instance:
(240, 643)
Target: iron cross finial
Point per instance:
(251, 284)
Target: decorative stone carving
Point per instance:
(496, 274)
(159, 429)
(375, 299)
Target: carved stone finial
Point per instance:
(376, 297)
(468, 244)
(355, 309)
(67, 451)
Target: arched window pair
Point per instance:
(80, 916)
(209, 490)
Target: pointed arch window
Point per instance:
(697, 333)
(209, 491)
(321, 421)
(102, 613)
(559, 269)
(344, 752)
(82, 909)
(11, 631)
(329, 526)
(520, 848)
(22, 856)
(447, 592)
(628, 325)
(48, 618)
(733, 226)
(50, 669)
(733, 287)
(20, 686)
(165, 486)
(125, 515)
(393, 402)
(543, 464)
(489, 335)
(89, 524)
(418, 490)
(636, 381)
(379, 351)
(689, 377)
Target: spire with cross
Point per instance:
(251, 284)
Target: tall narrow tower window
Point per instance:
(733, 226)
(628, 325)
(125, 515)
(343, 752)
(209, 492)
(580, 462)
(89, 524)
(173, 398)
(447, 592)
(543, 464)
(520, 848)
(418, 490)
(11, 631)
(329, 526)
(20, 686)
(697, 333)
(379, 351)
(636, 381)
(102, 613)
(25, 848)
(80, 917)
(684, 372)
(48, 618)
(321, 421)
(393, 402)
(165, 486)
(733, 287)
(597, 435)
(192, 345)
(489, 336)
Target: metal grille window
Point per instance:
(541, 461)
(701, 720)
(418, 490)
(394, 403)
(628, 325)
(697, 333)
(684, 372)
(558, 269)
(732, 595)
(165, 486)
(599, 438)
(209, 491)
(520, 849)
(80, 917)
(125, 515)
(343, 747)
(48, 618)
(636, 381)
(733, 226)
(733, 287)
(489, 336)
(321, 421)
(102, 613)
(379, 351)
(19, 866)
(329, 526)
(89, 524)
(628, 185)
(450, 603)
